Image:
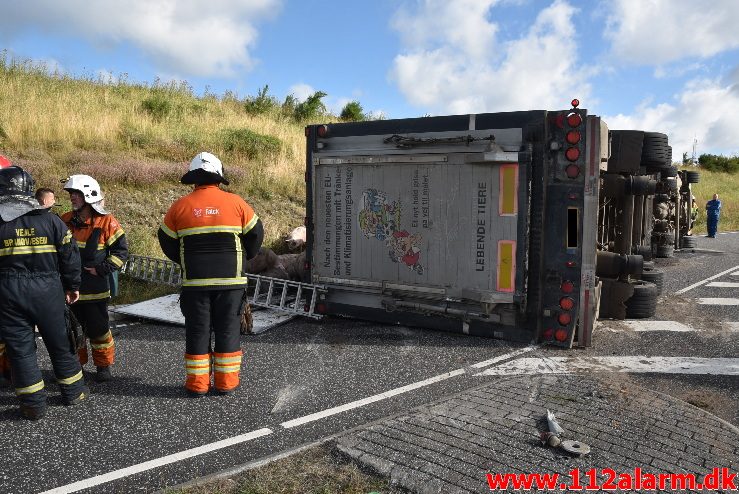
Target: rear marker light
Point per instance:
(323, 130)
(575, 103)
(568, 287)
(564, 319)
(571, 264)
(573, 137)
(574, 120)
(561, 334)
(572, 154)
(572, 196)
(572, 171)
(548, 334)
(566, 303)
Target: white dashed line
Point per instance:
(165, 460)
(718, 301)
(703, 282)
(658, 326)
(724, 284)
(639, 364)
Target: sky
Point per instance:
(667, 66)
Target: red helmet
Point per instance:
(4, 162)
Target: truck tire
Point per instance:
(664, 251)
(656, 153)
(648, 264)
(693, 177)
(643, 303)
(688, 242)
(656, 276)
(670, 171)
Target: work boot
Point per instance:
(32, 413)
(195, 394)
(79, 399)
(103, 374)
(225, 392)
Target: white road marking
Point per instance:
(500, 358)
(371, 399)
(735, 274)
(658, 326)
(165, 460)
(573, 365)
(703, 282)
(397, 391)
(724, 284)
(718, 301)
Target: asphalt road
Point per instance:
(138, 433)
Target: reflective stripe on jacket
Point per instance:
(106, 255)
(39, 244)
(208, 228)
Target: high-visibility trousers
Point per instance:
(30, 301)
(95, 322)
(218, 311)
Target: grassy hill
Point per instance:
(137, 140)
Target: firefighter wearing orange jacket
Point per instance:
(103, 249)
(211, 234)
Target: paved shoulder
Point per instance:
(451, 445)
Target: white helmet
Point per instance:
(90, 189)
(206, 162)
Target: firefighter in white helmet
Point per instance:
(211, 234)
(103, 250)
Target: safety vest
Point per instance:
(103, 245)
(209, 225)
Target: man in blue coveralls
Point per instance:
(713, 210)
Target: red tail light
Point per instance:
(573, 137)
(566, 303)
(572, 171)
(564, 319)
(573, 120)
(323, 130)
(548, 334)
(568, 287)
(571, 264)
(575, 103)
(572, 154)
(561, 334)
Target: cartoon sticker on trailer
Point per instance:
(380, 219)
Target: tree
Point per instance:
(311, 108)
(353, 112)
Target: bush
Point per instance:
(157, 106)
(716, 163)
(353, 112)
(261, 103)
(311, 108)
(249, 143)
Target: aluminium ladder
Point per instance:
(287, 296)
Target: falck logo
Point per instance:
(198, 212)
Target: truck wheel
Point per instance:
(670, 171)
(693, 177)
(656, 276)
(648, 264)
(689, 242)
(664, 251)
(655, 152)
(643, 303)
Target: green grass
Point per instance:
(314, 471)
(727, 187)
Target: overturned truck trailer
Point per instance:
(482, 224)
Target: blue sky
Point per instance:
(661, 65)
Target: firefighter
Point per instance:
(39, 269)
(103, 250)
(713, 211)
(211, 234)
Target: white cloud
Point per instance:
(181, 36)
(453, 62)
(706, 110)
(654, 32)
(301, 91)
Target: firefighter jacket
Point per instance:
(211, 234)
(103, 245)
(39, 244)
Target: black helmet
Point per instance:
(15, 181)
